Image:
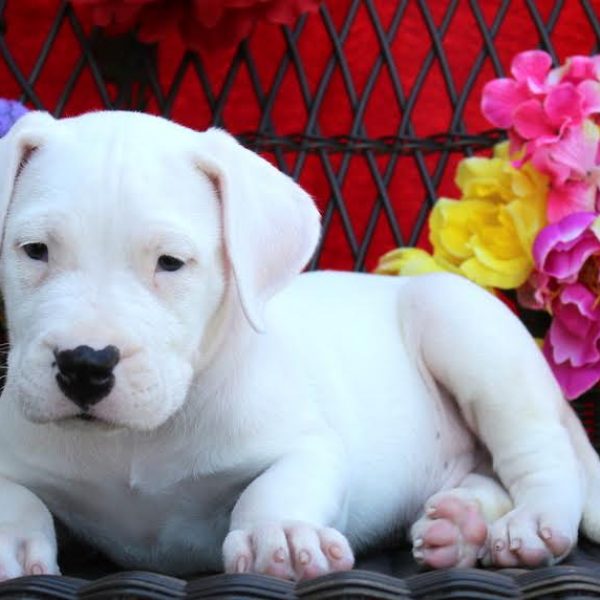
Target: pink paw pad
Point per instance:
(450, 534)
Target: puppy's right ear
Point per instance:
(25, 136)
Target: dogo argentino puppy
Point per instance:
(182, 398)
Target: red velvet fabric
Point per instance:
(28, 23)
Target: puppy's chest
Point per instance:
(177, 528)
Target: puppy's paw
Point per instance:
(289, 550)
(451, 533)
(26, 553)
(526, 538)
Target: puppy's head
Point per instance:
(127, 243)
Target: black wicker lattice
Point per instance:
(125, 74)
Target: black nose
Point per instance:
(85, 375)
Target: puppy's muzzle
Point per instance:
(85, 375)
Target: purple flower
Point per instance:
(572, 345)
(10, 112)
(566, 282)
(561, 249)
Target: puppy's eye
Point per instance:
(168, 263)
(36, 251)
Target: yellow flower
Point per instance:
(407, 261)
(488, 234)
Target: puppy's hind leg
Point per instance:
(453, 529)
(476, 349)
(590, 462)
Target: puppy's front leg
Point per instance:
(27, 538)
(282, 523)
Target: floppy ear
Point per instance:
(271, 226)
(15, 148)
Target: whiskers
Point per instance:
(4, 350)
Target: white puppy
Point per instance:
(181, 398)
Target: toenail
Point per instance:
(241, 565)
(279, 555)
(418, 554)
(546, 533)
(304, 557)
(335, 551)
(499, 545)
(36, 569)
(418, 543)
(431, 510)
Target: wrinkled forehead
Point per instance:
(112, 177)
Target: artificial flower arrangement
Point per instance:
(10, 112)
(200, 24)
(529, 217)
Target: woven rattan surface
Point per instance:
(386, 575)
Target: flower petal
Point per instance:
(589, 92)
(532, 67)
(407, 261)
(499, 100)
(573, 381)
(541, 159)
(572, 343)
(571, 197)
(576, 150)
(579, 68)
(563, 103)
(488, 276)
(574, 337)
(537, 292)
(531, 121)
(570, 228)
(585, 301)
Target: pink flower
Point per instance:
(539, 102)
(566, 282)
(574, 156)
(550, 117)
(546, 118)
(570, 197)
(561, 249)
(574, 170)
(577, 69)
(573, 340)
(502, 97)
(540, 123)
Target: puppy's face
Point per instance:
(112, 271)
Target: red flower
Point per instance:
(202, 24)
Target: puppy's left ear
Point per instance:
(25, 136)
(271, 226)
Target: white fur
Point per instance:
(253, 407)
